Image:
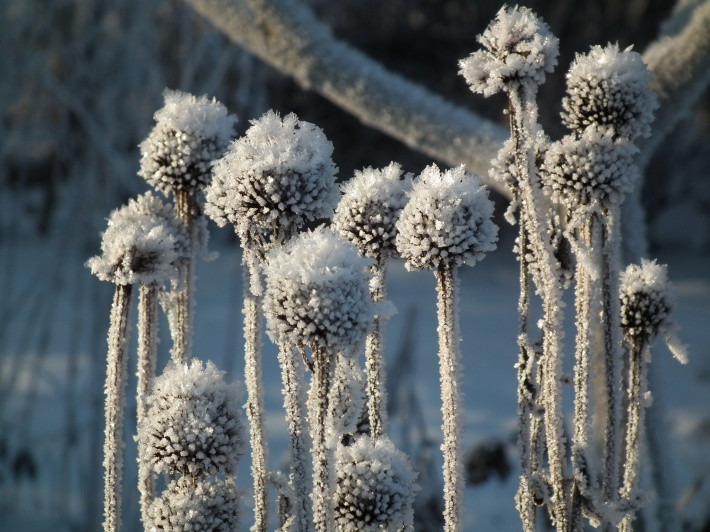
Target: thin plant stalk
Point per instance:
(292, 372)
(253, 326)
(186, 209)
(147, 353)
(374, 358)
(116, 373)
(450, 368)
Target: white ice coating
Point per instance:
(346, 404)
(447, 220)
(519, 50)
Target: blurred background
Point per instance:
(79, 83)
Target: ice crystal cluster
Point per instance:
(189, 134)
(369, 209)
(589, 169)
(202, 505)
(142, 243)
(193, 425)
(518, 50)
(347, 402)
(277, 177)
(447, 220)
(375, 487)
(609, 87)
(317, 293)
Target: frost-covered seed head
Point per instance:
(503, 168)
(608, 87)
(447, 220)
(209, 505)
(592, 168)
(646, 301)
(142, 244)
(375, 487)
(193, 425)
(518, 50)
(189, 134)
(317, 293)
(277, 177)
(368, 211)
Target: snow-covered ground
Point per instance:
(51, 374)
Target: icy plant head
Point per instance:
(518, 50)
(317, 293)
(375, 487)
(589, 170)
(207, 504)
(142, 244)
(193, 425)
(189, 133)
(447, 221)
(609, 87)
(647, 302)
(368, 211)
(277, 177)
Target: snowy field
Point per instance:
(52, 347)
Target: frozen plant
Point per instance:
(197, 505)
(268, 184)
(447, 223)
(375, 487)
(366, 216)
(317, 297)
(176, 157)
(346, 403)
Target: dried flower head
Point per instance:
(369, 209)
(189, 134)
(518, 50)
(193, 425)
(646, 300)
(588, 170)
(375, 487)
(207, 504)
(277, 177)
(447, 220)
(317, 293)
(608, 87)
(143, 243)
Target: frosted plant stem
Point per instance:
(449, 367)
(526, 390)
(116, 374)
(611, 327)
(638, 385)
(292, 376)
(551, 390)
(253, 325)
(186, 208)
(147, 350)
(322, 493)
(374, 358)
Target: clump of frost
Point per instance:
(347, 399)
(589, 170)
(518, 50)
(277, 177)
(375, 487)
(143, 243)
(189, 133)
(317, 293)
(368, 211)
(608, 87)
(193, 425)
(447, 220)
(206, 504)
(647, 303)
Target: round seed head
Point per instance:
(369, 209)
(375, 487)
(143, 243)
(193, 425)
(189, 134)
(608, 88)
(447, 220)
(646, 301)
